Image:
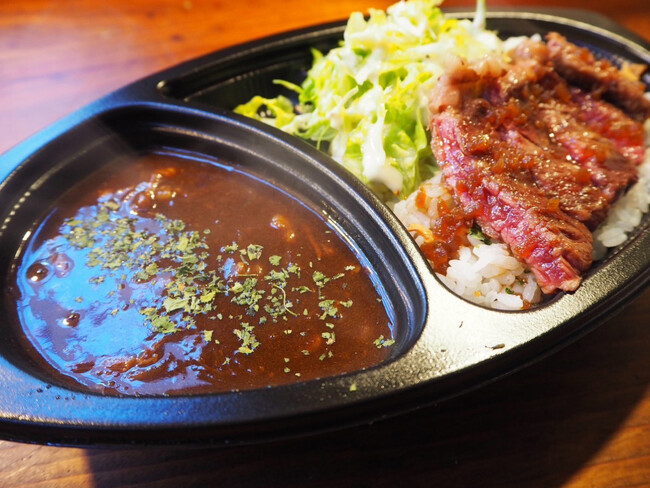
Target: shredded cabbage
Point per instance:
(366, 101)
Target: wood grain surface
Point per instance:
(578, 418)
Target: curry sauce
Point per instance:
(162, 275)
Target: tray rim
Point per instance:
(144, 94)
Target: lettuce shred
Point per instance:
(366, 101)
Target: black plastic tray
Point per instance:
(447, 345)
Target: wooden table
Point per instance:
(578, 418)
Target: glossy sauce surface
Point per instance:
(166, 275)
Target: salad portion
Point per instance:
(366, 101)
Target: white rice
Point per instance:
(489, 274)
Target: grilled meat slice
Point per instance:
(535, 160)
(509, 206)
(579, 66)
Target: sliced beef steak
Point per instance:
(535, 160)
(508, 205)
(579, 66)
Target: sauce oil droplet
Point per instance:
(72, 319)
(38, 272)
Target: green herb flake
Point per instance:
(163, 324)
(231, 248)
(476, 233)
(382, 342)
(208, 296)
(247, 338)
(254, 251)
(330, 337)
(275, 260)
(303, 289)
(328, 308)
(112, 205)
(319, 278)
(172, 304)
